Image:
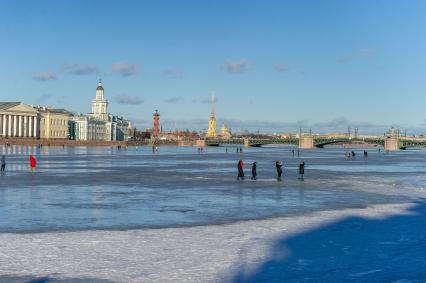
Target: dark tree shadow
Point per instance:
(355, 249)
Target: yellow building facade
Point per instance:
(53, 123)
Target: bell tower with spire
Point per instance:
(100, 104)
(211, 132)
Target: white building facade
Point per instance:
(88, 129)
(99, 124)
(100, 104)
(18, 120)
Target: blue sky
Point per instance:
(274, 65)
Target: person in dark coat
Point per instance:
(240, 170)
(3, 164)
(278, 166)
(254, 171)
(302, 170)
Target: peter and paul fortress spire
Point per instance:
(211, 132)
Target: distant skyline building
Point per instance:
(211, 132)
(54, 123)
(45, 122)
(86, 128)
(100, 124)
(18, 120)
(156, 123)
(100, 104)
(225, 132)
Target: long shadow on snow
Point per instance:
(354, 249)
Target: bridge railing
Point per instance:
(317, 141)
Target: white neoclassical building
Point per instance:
(18, 120)
(88, 129)
(100, 104)
(115, 128)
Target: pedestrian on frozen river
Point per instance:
(3, 163)
(278, 166)
(33, 163)
(240, 170)
(254, 171)
(302, 170)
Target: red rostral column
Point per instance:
(156, 123)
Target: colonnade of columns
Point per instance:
(18, 126)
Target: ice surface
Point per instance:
(103, 188)
(101, 193)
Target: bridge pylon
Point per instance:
(392, 144)
(306, 142)
(246, 143)
(200, 143)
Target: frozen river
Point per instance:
(104, 188)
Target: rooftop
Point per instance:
(7, 105)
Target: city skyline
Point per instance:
(275, 66)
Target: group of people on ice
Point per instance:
(352, 154)
(278, 168)
(33, 163)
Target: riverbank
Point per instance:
(53, 142)
(374, 243)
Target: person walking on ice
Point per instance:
(3, 164)
(301, 170)
(33, 163)
(240, 170)
(278, 166)
(254, 171)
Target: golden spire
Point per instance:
(212, 102)
(211, 132)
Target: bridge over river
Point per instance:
(309, 142)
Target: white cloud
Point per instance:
(127, 99)
(80, 69)
(124, 68)
(237, 67)
(44, 76)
